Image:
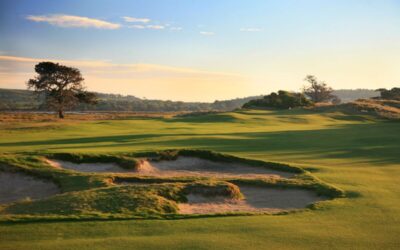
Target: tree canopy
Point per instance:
(62, 86)
(319, 91)
(281, 100)
(390, 94)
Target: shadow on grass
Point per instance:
(87, 140)
(374, 142)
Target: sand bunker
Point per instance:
(18, 186)
(183, 166)
(257, 199)
(88, 167)
(191, 166)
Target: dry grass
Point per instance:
(383, 108)
(388, 109)
(84, 116)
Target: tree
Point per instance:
(318, 91)
(62, 86)
(281, 100)
(391, 94)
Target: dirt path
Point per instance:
(18, 186)
(257, 199)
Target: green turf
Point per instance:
(357, 153)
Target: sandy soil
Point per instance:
(88, 167)
(183, 166)
(18, 186)
(191, 166)
(257, 199)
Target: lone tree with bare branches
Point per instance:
(62, 87)
(319, 91)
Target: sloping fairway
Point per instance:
(357, 153)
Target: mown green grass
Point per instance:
(357, 153)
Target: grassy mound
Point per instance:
(122, 161)
(388, 109)
(123, 200)
(227, 189)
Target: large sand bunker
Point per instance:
(192, 166)
(257, 199)
(182, 166)
(89, 167)
(18, 186)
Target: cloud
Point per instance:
(136, 20)
(10, 62)
(146, 23)
(67, 21)
(155, 27)
(250, 29)
(176, 28)
(207, 33)
(150, 27)
(17, 60)
(152, 80)
(137, 26)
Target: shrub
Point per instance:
(390, 94)
(280, 100)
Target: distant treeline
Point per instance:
(13, 99)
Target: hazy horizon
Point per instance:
(145, 98)
(203, 50)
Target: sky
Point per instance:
(203, 50)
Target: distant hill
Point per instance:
(16, 99)
(348, 95)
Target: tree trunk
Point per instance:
(61, 114)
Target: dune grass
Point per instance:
(356, 153)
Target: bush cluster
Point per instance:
(280, 100)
